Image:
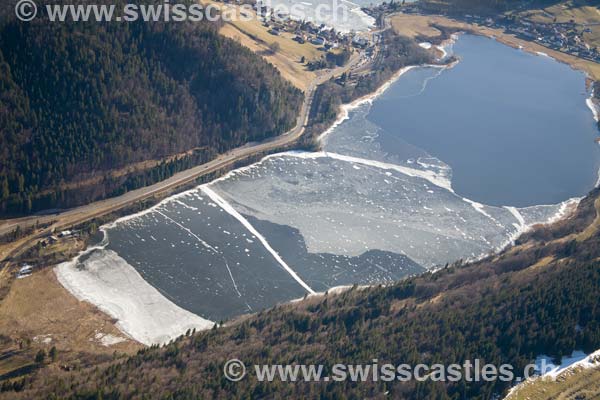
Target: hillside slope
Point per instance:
(80, 99)
(539, 297)
(483, 6)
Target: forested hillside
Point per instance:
(540, 297)
(80, 99)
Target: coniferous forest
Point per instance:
(80, 99)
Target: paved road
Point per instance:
(86, 212)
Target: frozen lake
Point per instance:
(445, 165)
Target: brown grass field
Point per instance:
(38, 313)
(257, 38)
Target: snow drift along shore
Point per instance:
(115, 287)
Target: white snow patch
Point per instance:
(547, 370)
(115, 287)
(447, 46)
(106, 339)
(45, 339)
(564, 208)
(592, 106)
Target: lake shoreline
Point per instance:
(343, 114)
(425, 25)
(580, 123)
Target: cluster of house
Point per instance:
(26, 269)
(304, 31)
(566, 37)
(307, 31)
(52, 239)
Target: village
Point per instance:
(327, 38)
(563, 36)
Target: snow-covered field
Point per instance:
(142, 312)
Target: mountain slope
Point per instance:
(539, 297)
(81, 99)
